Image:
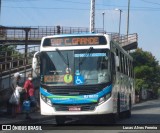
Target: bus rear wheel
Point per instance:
(128, 112)
(60, 120)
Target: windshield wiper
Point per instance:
(86, 55)
(63, 58)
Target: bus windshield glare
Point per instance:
(75, 67)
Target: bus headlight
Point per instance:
(104, 98)
(43, 98)
(101, 100)
(46, 100)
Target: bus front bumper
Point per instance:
(104, 108)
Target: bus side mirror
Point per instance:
(117, 61)
(34, 63)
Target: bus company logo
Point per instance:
(6, 127)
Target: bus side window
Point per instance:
(117, 54)
(132, 72)
(113, 63)
(123, 65)
(129, 68)
(126, 68)
(113, 68)
(121, 69)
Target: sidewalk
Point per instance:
(20, 118)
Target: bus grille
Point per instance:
(72, 90)
(86, 107)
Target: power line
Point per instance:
(69, 1)
(18, 0)
(59, 8)
(146, 1)
(124, 7)
(55, 8)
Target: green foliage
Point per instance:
(7, 48)
(140, 83)
(147, 70)
(8, 53)
(144, 58)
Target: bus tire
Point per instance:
(118, 107)
(60, 120)
(128, 112)
(116, 116)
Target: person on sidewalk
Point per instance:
(29, 88)
(14, 85)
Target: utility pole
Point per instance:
(92, 16)
(103, 13)
(120, 12)
(128, 18)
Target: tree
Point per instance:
(8, 53)
(147, 70)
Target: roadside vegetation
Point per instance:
(147, 72)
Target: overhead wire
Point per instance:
(69, 1)
(146, 1)
(23, 15)
(18, 0)
(104, 5)
(60, 8)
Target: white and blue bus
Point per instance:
(84, 74)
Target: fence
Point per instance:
(34, 34)
(124, 40)
(11, 34)
(15, 59)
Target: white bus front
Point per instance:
(76, 81)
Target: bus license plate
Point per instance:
(74, 108)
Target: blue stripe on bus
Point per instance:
(81, 99)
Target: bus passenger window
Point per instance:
(117, 54)
(132, 73)
(130, 69)
(127, 66)
(113, 63)
(121, 63)
(125, 62)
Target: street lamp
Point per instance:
(103, 13)
(120, 11)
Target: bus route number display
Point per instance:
(69, 41)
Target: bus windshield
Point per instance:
(75, 67)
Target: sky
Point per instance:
(144, 17)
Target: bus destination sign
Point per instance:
(70, 41)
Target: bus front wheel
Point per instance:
(116, 116)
